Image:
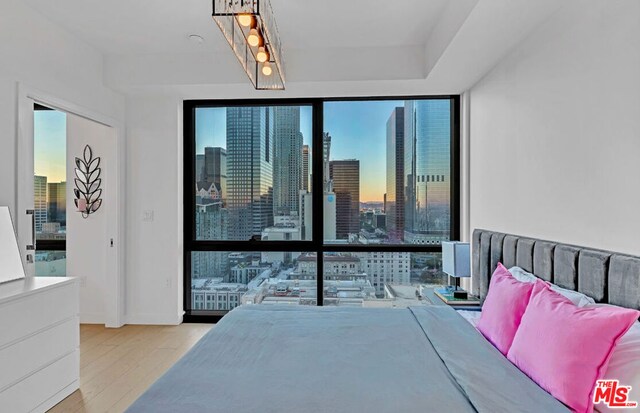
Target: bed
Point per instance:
(418, 359)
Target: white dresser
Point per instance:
(39, 343)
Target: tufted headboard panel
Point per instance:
(607, 277)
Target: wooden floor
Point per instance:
(118, 365)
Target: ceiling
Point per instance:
(162, 26)
(446, 45)
(135, 26)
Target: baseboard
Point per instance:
(58, 397)
(92, 318)
(154, 319)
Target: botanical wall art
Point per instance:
(87, 189)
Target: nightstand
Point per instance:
(441, 296)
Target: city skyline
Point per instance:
(358, 132)
(264, 157)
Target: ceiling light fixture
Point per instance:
(251, 31)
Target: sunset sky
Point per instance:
(50, 144)
(358, 131)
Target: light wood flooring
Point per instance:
(118, 365)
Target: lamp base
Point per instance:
(456, 283)
(460, 294)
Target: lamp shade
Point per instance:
(455, 258)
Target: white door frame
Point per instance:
(115, 294)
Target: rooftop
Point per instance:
(216, 284)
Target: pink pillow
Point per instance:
(565, 348)
(503, 308)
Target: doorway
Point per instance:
(69, 214)
(49, 191)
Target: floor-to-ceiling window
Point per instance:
(50, 176)
(361, 191)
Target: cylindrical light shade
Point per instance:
(254, 38)
(262, 55)
(266, 69)
(456, 259)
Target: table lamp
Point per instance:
(455, 263)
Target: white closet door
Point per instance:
(89, 237)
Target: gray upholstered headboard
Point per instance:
(607, 277)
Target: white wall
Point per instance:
(154, 175)
(555, 131)
(38, 53)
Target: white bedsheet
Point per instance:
(471, 316)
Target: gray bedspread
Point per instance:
(320, 359)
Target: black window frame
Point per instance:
(317, 244)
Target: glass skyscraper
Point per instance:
(215, 168)
(345, 176)
(287, 162)
(57, 202)
(427, 149)
(394, 207)
(249, 171)
(305, 168)
(40, 201)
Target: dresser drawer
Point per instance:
(41, 386)
(30, 314)
(35, 352)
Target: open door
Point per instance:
(91, 157)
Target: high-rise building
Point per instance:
(305, 168)
(330, 219)
(40, 201)
(249, 171)
(326, 157)
(212, 223)
(394, 201)
(306, 216)
(214, 168)
(287, 160)
(329, 197)
(427, 149)
(345, 177)
(57, 202)
(199, 172)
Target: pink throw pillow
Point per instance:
(565, 348)
(503, 308)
